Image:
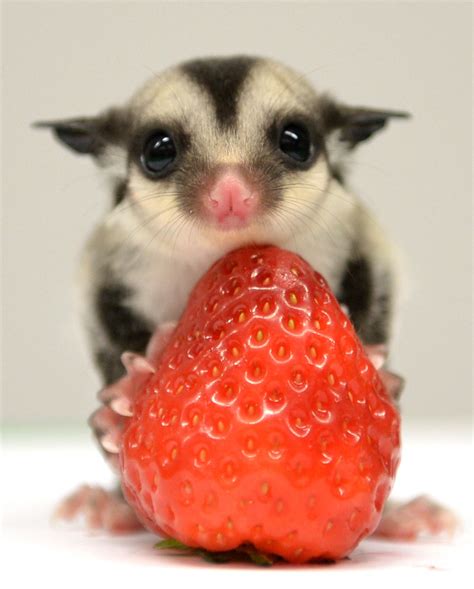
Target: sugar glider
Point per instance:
(208, 156)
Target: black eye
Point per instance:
(295, 142)
(158, 153)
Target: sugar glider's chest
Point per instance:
(159, 290)
(161, 285)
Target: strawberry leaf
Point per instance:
(256, 556)
(245, 552)
(171, 544)
(215, 557)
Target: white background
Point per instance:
(75, 58)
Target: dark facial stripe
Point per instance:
(222, 79)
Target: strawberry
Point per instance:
(265, 423)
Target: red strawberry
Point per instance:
(265, 423)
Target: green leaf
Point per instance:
(215, 557)
(256, 556)
(245, 552)
(171, 544)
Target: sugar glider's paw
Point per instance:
(109, 420)
(419, 517)
(119, 395)
(101, 510)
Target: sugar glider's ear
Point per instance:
(89, 135)
(345, 127)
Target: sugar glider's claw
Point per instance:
(107, 427)
(122, 406)
(135, 363)
(110, 442)
(118, 396)
(103, 420)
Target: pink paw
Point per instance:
(420, 516)
(109, 420)
(103, 509)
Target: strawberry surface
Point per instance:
(265, 422)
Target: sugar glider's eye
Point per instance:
(295, 142)
(159, 152)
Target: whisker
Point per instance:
(317, 188)
(145, 224)
(166, 227)
(361, 210)
(306, 208)
(130, 204)
(319, 206)
(297, 215)
(171, 225)
(179, 228)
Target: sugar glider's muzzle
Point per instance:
(230, 201)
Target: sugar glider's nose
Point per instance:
(231, 200)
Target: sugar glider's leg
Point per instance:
(116, 399)
(103, 509)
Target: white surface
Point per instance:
(39, 468)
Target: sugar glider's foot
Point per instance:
(101, 510)
(419, 517)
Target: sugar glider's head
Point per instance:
(223, 146)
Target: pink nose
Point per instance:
(231, 200)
